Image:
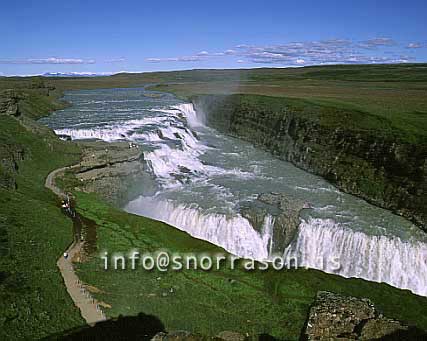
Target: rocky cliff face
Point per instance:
(380, 167)
(112, 170)
(21, 105)
(10, 156)
(9, 100)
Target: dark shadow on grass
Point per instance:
(140, 327)
(412, 334)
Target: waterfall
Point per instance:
(321, 244)
(233, 233)
(108, 132)
(194, 119)
(325, 245)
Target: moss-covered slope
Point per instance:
(33, 231)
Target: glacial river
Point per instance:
(202, 178)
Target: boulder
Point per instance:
(337, 317)
(231, 336)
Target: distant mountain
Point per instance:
(76, 74)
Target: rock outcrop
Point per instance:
(376, 164)
(283, 209)
(336, 317)
(10, 156)
(113, 170)
(22, 105)
(32, 99)
(9, 103)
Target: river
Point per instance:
(201, 179)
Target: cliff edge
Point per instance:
(362, 154)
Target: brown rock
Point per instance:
(336, 317)
(231, 336)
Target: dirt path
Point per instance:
(50, 181)
(89, 308)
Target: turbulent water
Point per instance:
(202, 178)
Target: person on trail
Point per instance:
(65, 255)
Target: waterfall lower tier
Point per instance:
(235, 234)
(324, 245)
(321, 244)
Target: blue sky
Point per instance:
(111, 36)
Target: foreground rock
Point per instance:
(336, 317)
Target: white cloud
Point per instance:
(115, 60)
(176, 59)
(332, 51)
(230, 52)
(414, 46)
(50, 60)
(153, 60)
(243, 46)
(203, 53)
(377, 42)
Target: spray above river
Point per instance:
(203, 182)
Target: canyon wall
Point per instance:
(360, 153)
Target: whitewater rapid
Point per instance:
(203, 177)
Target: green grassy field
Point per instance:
(332, 115)
(34, 233)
